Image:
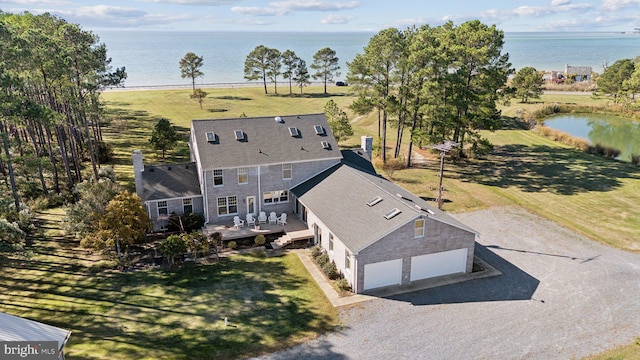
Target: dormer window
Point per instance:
(239, 135)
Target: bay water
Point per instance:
(151, 57)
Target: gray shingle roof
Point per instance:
(170, 181)
(339, 197)
(265, 141)
(578, 70)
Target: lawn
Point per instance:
(271, 304)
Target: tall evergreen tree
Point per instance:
(325, 62)
(290, 61)
(164, 136)
(301, 74)
(190, 66)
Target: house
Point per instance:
(377, 233)
(33, 337)
(578, 73)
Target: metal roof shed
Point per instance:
(14, 328)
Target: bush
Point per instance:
(232, 245)
(260, 240)
(342, 284)
(192, 221)
(635, 159)
(322, 259)
(316, 251)
(331, 270)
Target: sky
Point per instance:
(336, 15)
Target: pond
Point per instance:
(622, 134)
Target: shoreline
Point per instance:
(230, 85)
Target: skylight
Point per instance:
(318, 129)
(239, 134)
(374, 201)
(391, 214)
(325, 144)
(294, 131)
(211, 137)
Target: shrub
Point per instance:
(331, 270)
(232, 245)
(342, 284)
(316, 251)
(260, 240)
(192, 221)
(635, 159)
(322, 259)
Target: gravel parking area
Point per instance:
(561, 296)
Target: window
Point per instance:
(275, 197)
(243, 175)
(227, 205)
(293, 131)
(391, 214)
(418, 230)
(239, 135)
(374, 201)
(347, 260)
(318, 129)
(211, 137)
(286, 171)
(217, 178)
(187, 206)
(330, 242)
(162, 208)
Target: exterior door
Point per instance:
(251, 205)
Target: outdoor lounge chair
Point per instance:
(282, 220)
(251, 220)
(262, 218)
(273, 219)
(237, 222)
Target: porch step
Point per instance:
(281, 242)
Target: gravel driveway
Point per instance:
(561, 296)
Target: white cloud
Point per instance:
(614, 5)
(289, 6)
(560, 2)
(194, 2)
(532, 11)
(336, 19)
(36, 2)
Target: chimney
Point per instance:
(367, 144)
(138, 168)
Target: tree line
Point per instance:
(442, 83)
(267, 64)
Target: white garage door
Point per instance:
(442, 263)
(382, 274)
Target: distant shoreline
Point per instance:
(229, 85)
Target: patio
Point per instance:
(293, 226)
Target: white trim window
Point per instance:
(347, 260)
(218, 180)
(287, 171)
(418, 228)
(243, 175)
(227, 205)
(187, 206)
(331, 242)
(275, 197)
(163, 208)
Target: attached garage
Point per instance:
(437, 264)
(385, 273)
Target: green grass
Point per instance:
(271, 303)
(625, 352)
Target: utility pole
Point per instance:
(444, 148)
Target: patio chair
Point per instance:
(251, 220)
(237, 222)
(282, 220)
(273, 219)
(262, 218)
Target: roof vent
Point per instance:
(318, 129)
(325, 144)
(279, 119)
(391, 214)
(374, 201)
(239, 134)
(293, 131)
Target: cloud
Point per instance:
(194, 2)
(336, 19)
(560, 2)
(36, 2)
(614, 5)
(289, 6)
